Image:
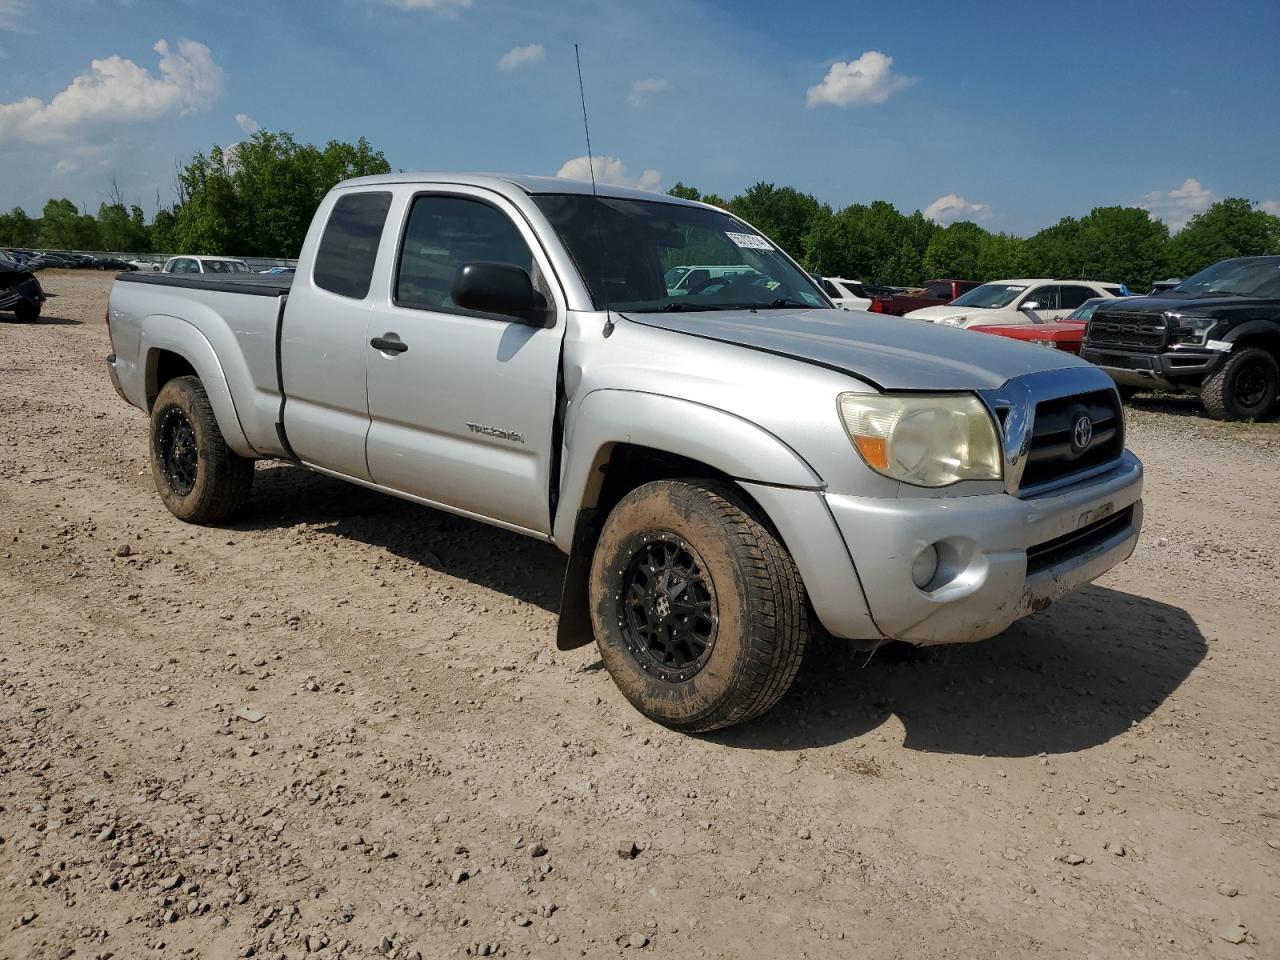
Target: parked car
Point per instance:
(276, 271)
(845, 294)
(1018, 301)
(197, 265)
(932, 294)
(20, 291)
(141, 264)
(63, 261)
(1216, 334)
(1065, 334)
(18, 256)
(113, 263)
(718, 463)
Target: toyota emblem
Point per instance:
(1082, 433)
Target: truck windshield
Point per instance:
(645, 256)
(989, 296)
(1253, 277)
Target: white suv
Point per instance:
(1018, 301)
(846, 294)
(218, 265)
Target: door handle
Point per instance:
(387, 345)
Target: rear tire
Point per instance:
(1243, 388)
(197, 475)
(698, 610)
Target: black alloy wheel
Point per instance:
(668, 613)
(179, 458)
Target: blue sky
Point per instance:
(1014, 114)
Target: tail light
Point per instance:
(877, 306)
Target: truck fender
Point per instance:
(605, 418)
(161, 332)
(1269, 330)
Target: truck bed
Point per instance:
(251, 284)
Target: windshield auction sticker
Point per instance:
(749, 241)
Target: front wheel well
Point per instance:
(617, 472)
(163, 366)
(1267, 340)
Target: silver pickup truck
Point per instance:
(724, 457)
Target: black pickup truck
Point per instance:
(1216, 334)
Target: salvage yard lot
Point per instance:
(339, 725)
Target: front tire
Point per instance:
(698, 610)
(199, 478)
(1243, 388)
(25, 312)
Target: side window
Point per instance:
(831, 290)
(344, 262)
(443, 234)
(1073, 297)
(1047, 296)
(187, 266)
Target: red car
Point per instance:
(933, 294)
(1065, 334)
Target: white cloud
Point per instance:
(247, 123)
(1270, 206)
(118, 90)
(952, 207)
(612, 171)
(1179, 205)
(521, 56)
(642, 90)
(11, 12)
(448, 8)
(63, 167)
(869, 79)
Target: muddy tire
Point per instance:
(698, 610)
(197, 475)
(1243, 388)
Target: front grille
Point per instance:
(1052, 552)
(1055, 455)
(1140, 331)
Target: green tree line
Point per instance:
(253, 199)
(876, 243)
(257, 199)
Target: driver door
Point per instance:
(461, 403)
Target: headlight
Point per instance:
(951, 321)
(929, 440)
(1191, 329)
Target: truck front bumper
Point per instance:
(1000, 557)
(1172, 370)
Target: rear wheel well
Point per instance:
(163, 366)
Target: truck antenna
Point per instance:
(591, 165)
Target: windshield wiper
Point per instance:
(783, 302)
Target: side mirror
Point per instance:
(1029, 305)
(500, 288)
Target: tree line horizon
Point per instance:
(257, 199)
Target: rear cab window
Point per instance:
(349, 245)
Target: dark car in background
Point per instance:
(20, 291)
(1215, 334)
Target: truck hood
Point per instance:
(891, 353)
(1195, 306)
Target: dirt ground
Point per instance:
(339, 726)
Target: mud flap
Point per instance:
(574, 629)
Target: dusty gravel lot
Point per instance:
(339, 726)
